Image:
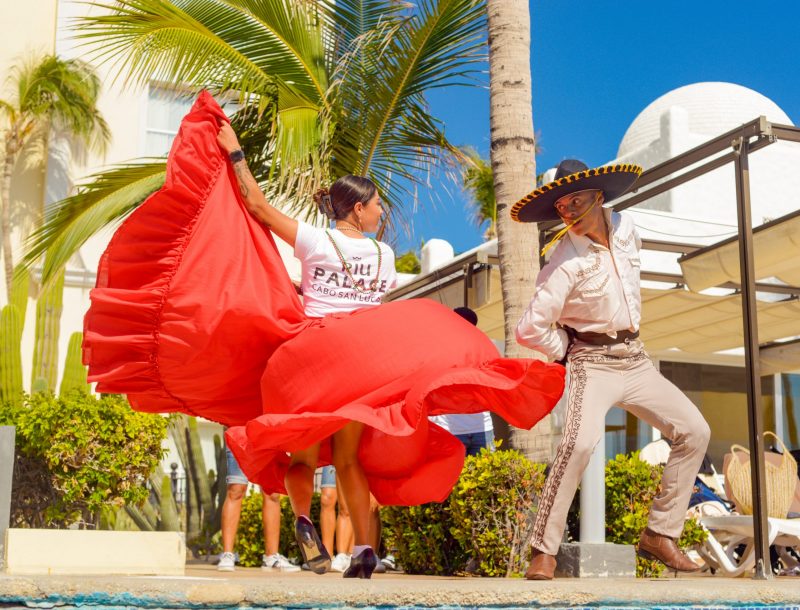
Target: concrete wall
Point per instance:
(94, 552)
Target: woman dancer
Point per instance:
(355, 207)
(194, 312)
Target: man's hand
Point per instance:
(227, 139)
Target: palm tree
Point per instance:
(325, 88)
(48, 95)
(478, 180)
(514, 168)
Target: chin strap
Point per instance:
(564, 231)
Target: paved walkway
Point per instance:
(204, 586)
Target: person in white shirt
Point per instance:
(585, 312)
(342, 270)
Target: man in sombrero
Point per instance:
(585, 312)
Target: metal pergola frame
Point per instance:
(739, 144)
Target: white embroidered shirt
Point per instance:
(587, 287)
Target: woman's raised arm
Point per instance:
(279, 223)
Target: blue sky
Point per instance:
(596, 65)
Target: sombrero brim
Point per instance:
(613, 180)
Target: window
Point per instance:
(165, 109)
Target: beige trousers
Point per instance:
(621, 375)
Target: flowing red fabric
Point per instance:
(194, 312)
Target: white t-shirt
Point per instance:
(464, 424)
(326, 284)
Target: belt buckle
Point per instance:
(627, 341)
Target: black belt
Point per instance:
(623, 336)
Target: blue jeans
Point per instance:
(475, 441)
(234, 476)
(328, 478)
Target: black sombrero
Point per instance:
(573, 176)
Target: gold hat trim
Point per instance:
(627, 168)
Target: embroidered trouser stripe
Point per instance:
(577, 384)
(599, 380)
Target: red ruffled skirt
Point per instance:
(194, 312)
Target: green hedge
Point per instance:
(487, 520)
(491, 507)
(631, 487)
(78, 455)
(420, 538)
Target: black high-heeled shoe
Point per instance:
(314, 553)
(362, 565)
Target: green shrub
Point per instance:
(78, 455)
(491, 509)
(488, 516)
(487, 519)
(250, 535)
(408, 263)
(631, 487)
(420, 538)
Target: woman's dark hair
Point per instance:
(338, 201)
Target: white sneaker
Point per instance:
(278, 562)
(341, 562)
(227, 562)
(390, 562)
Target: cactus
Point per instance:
(180, 436)
(20, 287)
(10, 358)
(199, 470)
(158, 513)
(220, 488)
(74, 371)
(143, 516)
(48, 322)
(169, 521)
(204, 496)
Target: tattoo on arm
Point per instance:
(242, 174)
(247, 184)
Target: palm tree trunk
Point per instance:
(5, 217)
(514, 167)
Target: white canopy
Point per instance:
(700, 323)
(776, 248)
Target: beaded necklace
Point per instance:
(359, 288)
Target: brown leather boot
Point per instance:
(542, 566)
(663, 548)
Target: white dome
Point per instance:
(712, 108)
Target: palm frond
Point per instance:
(63, 93)
(219, 44)
(9, 109)
(351, 19)
(107, 198)
(442, 44)
(478, 180)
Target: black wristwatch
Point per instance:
(236, 155)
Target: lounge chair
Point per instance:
(727, 534)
